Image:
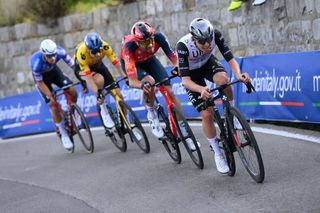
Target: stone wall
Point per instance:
(277, 26)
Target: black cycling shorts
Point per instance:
(198, 76)
(96, 68)
(54, 76)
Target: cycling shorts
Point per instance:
(198, 76)
(152, 67)
(54, 76)
(96, 68)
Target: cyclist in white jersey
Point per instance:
(197, 63)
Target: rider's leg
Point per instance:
(149, 98)
(222, 78)
(107, 121)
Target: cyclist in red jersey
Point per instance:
(143, 68)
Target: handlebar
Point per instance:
(111, 86)
(250, 87)
(56, 91)
(174, 73)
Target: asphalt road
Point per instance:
(38, 175)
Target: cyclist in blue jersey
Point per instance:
(45, 73)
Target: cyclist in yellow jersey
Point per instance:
(90, 68)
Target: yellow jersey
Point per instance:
(85, 60)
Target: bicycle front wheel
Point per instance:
(246, 144)
(116, 135)
(82, 128)
(169, 142)
(136, 131)
(195, 155)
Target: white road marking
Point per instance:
(282, 133)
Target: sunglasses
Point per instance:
(95, 51)
(203, 41)
(147, 43)
(51, 55)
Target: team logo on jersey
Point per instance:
(83, 57)
(106, 47)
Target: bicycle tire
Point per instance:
(246, 139)
(169, 142)
(196, 155)
(135, 125)
(117, 136)
(224, 140)
(87, 142)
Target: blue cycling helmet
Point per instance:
(93, 41)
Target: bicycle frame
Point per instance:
(169, 104)
(117, 101)
(67, 95)
(226, 104)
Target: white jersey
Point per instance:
(196, 57)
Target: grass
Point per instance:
(83, 6)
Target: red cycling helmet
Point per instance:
(142, 30)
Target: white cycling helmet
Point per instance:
(48, 47)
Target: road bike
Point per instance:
(236, 134)
(172, 132)
(125, 120)
(74, 119)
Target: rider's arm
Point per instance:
(222, 46)
(119, 70)
(66, 57)
(44, 89)
(131, 68)
(235, 68)
(226, 53)
(163, 41)
(92, 85)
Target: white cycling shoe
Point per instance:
(156, 129)
(107, 120)
(221, 164)
(66, 142)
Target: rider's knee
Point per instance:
(207, 115)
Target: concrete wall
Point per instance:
(277, 26)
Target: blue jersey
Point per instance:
(39, 65)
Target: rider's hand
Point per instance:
(205, 93)
(127, 82)
(84, 87)
(146, 87)
(100, 98)
(245, 78)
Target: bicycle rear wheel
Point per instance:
(116, 135)
(196, 155)
(246, 144)
(224, 144)
(136, 131)
(81, 128)
(169, 142)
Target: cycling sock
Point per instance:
(215, 146)
(151, 113)
(231, 103)
(183, 128)
(61, 129)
